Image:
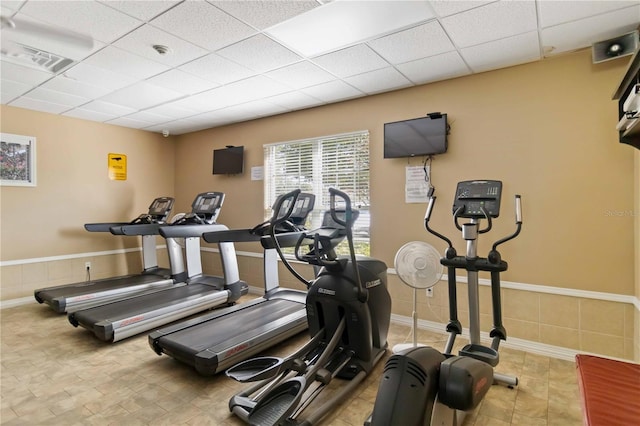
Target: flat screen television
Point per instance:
(228, 161)
(416, 137)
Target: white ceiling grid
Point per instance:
(232, 61)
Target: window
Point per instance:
(315, 165)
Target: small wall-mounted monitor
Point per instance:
(228, 161)
(416, 137)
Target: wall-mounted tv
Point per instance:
(416, 137)
(228, 161)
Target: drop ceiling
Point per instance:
(231, 61)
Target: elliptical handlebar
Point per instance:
(518, 211)
(451, 251)
(363, 294)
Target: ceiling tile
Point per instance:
(302, 74)
(203, 24)
(366, 47)
(141, 9)
(331, 26)
(123, 62)
(12, 4)
(129, 122)
(491, 22)
(377, 81)
(178, 127)
(578, 34)
(503, 53)
(334, 91)
(558, 12)
(86, 114)
(250, 89)
(21, 74)
(53, 96)
(142, 40)
(418, 42)
(251, 110)
(434, 68)
(6, 97)
(108, 108)
(85, 17)
(38, 105)
(216, 68)
(351, 61)
(148, 117)
(203, 102)
(141, 95)
(172, 110)
(181, 82)
(265, 13)
(447, 7)
(259, 53)
(62, 83)
(12, 89)
(96, 76)
(294, 100)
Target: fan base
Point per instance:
(404, 346)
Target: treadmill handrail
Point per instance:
(286, 239)
(231, 236)
(136, 229)
(103, 227)
(186, 231)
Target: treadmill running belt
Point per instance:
(230, 330)
(90, 287)
(140, 304)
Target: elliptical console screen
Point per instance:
(473, 196)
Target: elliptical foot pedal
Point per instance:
(481, 353)
(279, 403)
(255, 369)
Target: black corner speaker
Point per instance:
(616, 47)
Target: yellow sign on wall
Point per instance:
(117, 166)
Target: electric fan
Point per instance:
(418, 266)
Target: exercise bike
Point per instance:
(348, 311)
(420, 385)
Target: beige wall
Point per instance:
(72, 189)
(544, 128)
(73, 186)
(547, 129)
(637, 255)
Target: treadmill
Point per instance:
(215, 341)
(85, 294)
(119, 320)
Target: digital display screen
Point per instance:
(416, 137)
(228, 161)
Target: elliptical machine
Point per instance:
(420, 385)
(348, 311)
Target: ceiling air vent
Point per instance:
(29, 56)
(40, 46)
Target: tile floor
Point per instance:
(55, 374)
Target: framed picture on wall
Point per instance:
(17, 160)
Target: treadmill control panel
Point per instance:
(477, 198)
(160, 208)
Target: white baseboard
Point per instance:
(511, 343)
(435, 327)
(12, 303)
